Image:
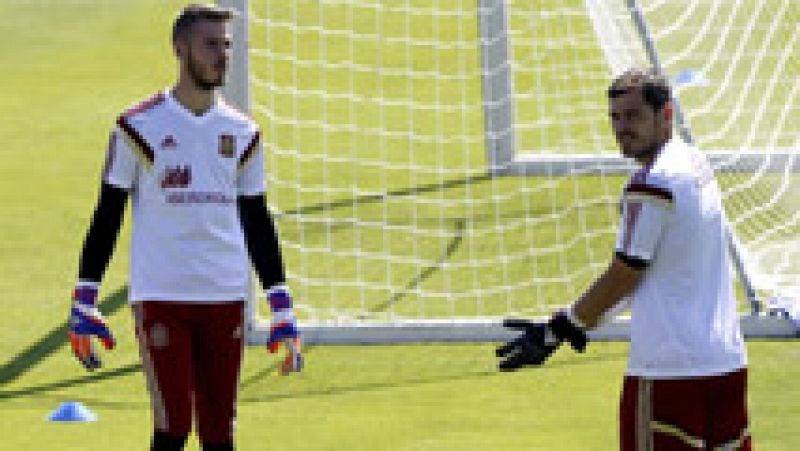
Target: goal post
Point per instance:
(435, 166)
(623, 34)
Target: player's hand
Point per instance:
(533, 347)
(86, 320)
(538, 341)
(284, 329)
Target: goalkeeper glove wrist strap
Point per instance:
(86, 292)
(573, 318)
(565, 329)
(279, 298)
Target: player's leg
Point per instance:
(217, 358)
(728, 426)
(661, 414)
(165, 349)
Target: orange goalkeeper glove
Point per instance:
(86, 320)
(284, 329)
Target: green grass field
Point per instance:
(69, 67)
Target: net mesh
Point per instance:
(377, 160)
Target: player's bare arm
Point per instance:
(619, 279)
(540, 339)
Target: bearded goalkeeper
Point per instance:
(194, 168)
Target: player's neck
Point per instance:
(194, 99)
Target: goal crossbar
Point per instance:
(486, 330)
(724, 161)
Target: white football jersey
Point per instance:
(683, 312)
(184, 173)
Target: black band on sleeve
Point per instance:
(101, 238)
(262, 240)
(633, 262)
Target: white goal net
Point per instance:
(735, 69)
(437, 164)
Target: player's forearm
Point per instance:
(262, 240)
(103, 232)
(618, 281)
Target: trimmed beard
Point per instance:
(196, 75)
(648, 152)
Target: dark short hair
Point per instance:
(654, 86)
(191, 14)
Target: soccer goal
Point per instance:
(437, 165)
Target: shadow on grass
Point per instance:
(366, 386)
(73, 382)
(363, 387)
(427, 272)
(546, 371)
(55, 339)
(382, 197)
(424, 274)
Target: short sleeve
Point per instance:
(250, 181)
(121, 164)
(646, 210)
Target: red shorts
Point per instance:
(191, 353)
(685, 414)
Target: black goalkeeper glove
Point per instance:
(538, 341)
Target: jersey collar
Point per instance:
(182, 110)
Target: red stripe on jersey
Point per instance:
(248, 151)
(147, 151)
(640, 176)
(145, 105)
(630, 224)
(650, 190)
(110, 154)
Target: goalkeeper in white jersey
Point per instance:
(686, 382)
(194, 169)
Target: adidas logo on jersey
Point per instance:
(177, 177)
(169, 142)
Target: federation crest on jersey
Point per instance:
(227, 145)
